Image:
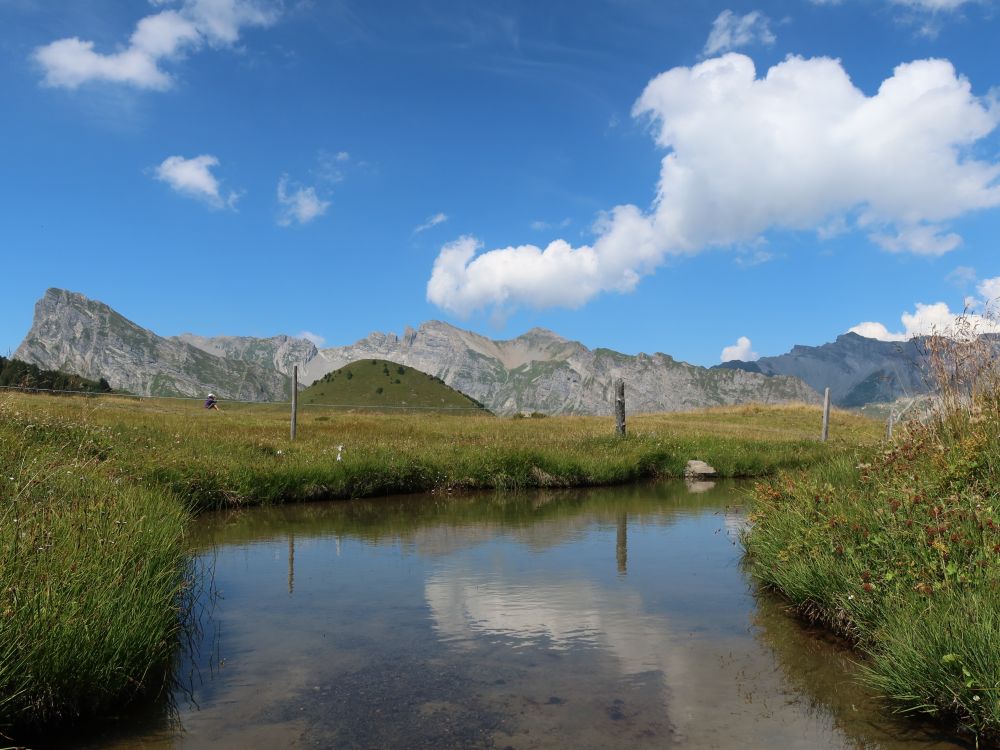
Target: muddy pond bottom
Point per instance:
(611, 618)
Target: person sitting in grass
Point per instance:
(211, 403)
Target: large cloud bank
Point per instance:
(169, 34)
(800, 148)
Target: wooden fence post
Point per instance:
(826, 415)
(295, 398)
(620, 407)
(889, 426)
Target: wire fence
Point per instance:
(246, 402)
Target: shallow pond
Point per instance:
(608, 618)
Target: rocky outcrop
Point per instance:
(279, 353)
(85, 337)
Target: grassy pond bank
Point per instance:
(900, 552)
(98, 494)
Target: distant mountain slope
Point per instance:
(537, 371)
(75, 334)
(857, 370)
(381, 383)
(541, 371)
(279, 353)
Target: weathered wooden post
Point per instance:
(621, 544)
(291, 563)
(620, 407)
(889, 426)
(826, 415)
(295, 398)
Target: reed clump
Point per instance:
(901, 551)
(92, 575)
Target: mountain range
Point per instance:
(856, 369)
(538, 371)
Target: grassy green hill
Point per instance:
(379, 383)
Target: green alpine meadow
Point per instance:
(99, 491)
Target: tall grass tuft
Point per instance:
(91, 575)
(901, 552)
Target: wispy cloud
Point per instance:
(731, 31)
(432, 221)
(161, 37)
(926, 17)
(193, 178)
(962, 276)
(938, 5)
(315, 338)
(541, 226)
(331, 165)
(298, 203)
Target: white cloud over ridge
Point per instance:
(315, 338)
(800, 148)
(742, 350)
(299, 204)
(979, 316)
(193, 177)
(731, 31)
(169, 34)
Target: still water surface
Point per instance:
(610, 618)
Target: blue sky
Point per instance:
(642, 175)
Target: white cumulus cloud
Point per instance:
(193, 177)
(169, 34)
(731, 31)
(979, 315)
(298, 203)
(742, 350)
(432, 221)
(799, 148)
(989, 292)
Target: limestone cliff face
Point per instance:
(279, 353)
(541, 371)
(86, 337)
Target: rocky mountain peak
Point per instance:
(85, 337)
